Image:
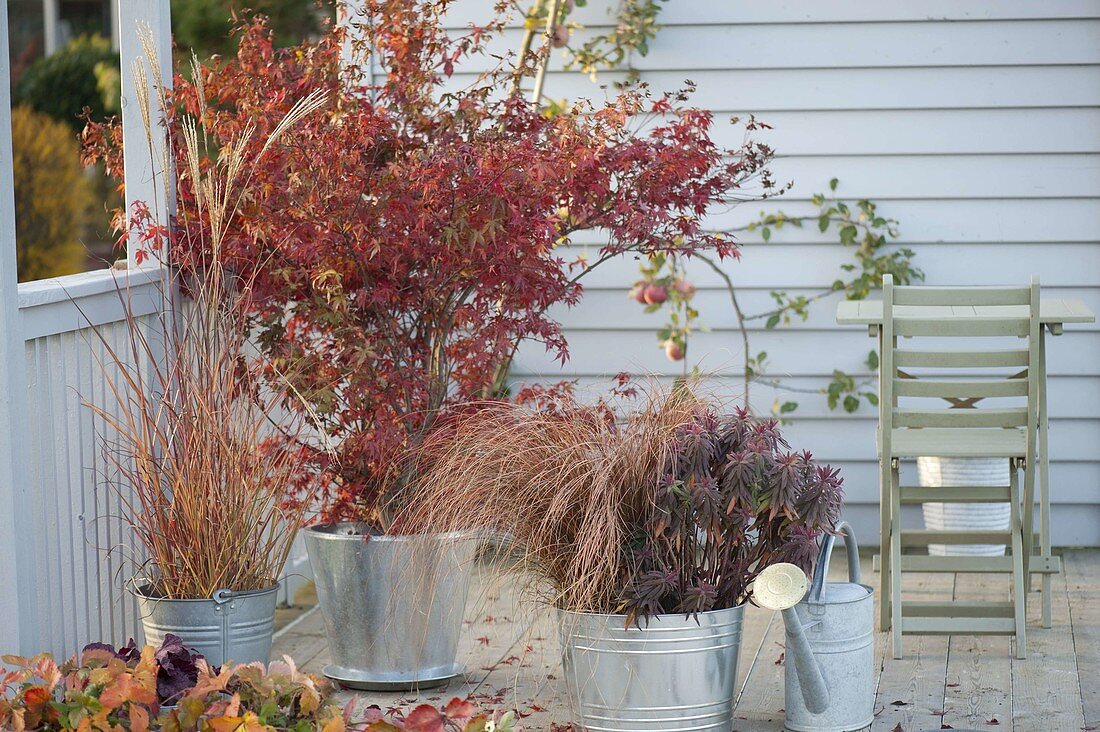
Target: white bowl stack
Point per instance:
(938, 472)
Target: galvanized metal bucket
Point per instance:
(674, 674)
(393, 605)
(835, 621)
(230, 626)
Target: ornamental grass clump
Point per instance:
(673, 509)
(202, 435)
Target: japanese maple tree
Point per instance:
(405, 240)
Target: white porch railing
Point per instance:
(75, 547)
(62, 547)
(65, 552)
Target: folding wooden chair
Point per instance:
(971, 318)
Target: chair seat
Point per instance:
(958, 442)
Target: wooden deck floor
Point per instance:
(963, 682)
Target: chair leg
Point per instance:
(1019, 575)
(895, 559)
(1027, 513)
(884, 566)
(1045, 544)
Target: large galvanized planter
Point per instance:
(936, 472)
(674, 673)
(230, 626)
(393, 605)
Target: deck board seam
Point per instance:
(1071, 561)
(755, 658)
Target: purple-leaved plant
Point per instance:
(735, 499)
(177, 669)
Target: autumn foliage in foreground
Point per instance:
(403, 241)
(105, 689)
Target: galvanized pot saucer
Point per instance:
(780, 586)
(363, 681)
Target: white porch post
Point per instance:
(51, 18)
(16, 587)
(114, 24)
(148, 171)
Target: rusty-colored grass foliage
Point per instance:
(565, 487)
(197, 434)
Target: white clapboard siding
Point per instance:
(82, 553)
(712, 45)
(696, 12)
(976, 125)
(714, 303)
(773, 90)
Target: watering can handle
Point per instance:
(821, 571)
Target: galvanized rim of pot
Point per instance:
(137, 589)
(318, 531)
(705, 613)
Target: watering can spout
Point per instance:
(815, 693)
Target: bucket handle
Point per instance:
(821, 571)
(223, 596)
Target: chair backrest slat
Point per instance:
(962, 296)
(943, 389)
(907, 358)
(1013, 417)
(976, 327)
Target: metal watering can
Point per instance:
(829, 667)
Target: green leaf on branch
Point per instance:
(848, 234)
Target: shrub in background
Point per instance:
(204, 26)
(404, 242)
(53, 198)
(63, 84)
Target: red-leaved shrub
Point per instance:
(403, 241)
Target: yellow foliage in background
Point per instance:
(53, 196)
